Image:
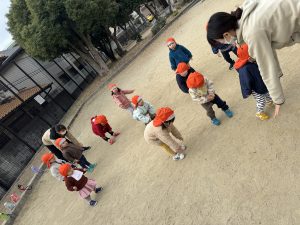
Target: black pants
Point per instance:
(227, 57)
(83, 162)
(209, 106)
(56, 152)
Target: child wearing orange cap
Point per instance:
(251, 82)
(119, 96)
(143, 111)
(182, 73)
(53, 164)
(177, 53)
(161, 131)
(101, 127)
(202, 91)
(76, 181)
(74, 154)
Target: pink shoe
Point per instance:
(116, 134)
(111, 141)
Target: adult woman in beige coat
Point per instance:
(265, 25)
(159, 130)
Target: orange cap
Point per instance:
(135, 99)
(64, 169)
(59, 141)
(111, 86)
(162, 115)
(170, 39)
(182, 67)
(243, 56)
(46, 159)
(100, 119)
(195, 80)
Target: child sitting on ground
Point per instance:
(119, 96)
(143, 111)
(74, 154)
(202, 91)
(100, 127)
(251, 82)
(76, 181)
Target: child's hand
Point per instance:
(219, 54)
(75, 188)
(84, 169)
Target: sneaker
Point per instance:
(116, 134)
(228, 113)
(97, 190)
(86, 148)
(231, 66)
(93, 165)
(111, 141)
(262, 116)
(216, 122)
(178, 156)
(93, 203)
(90, 169)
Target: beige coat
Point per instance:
(267, 25)
(200, 94)
(157, 136)
(47, 141)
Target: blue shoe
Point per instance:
(93, 165)
(228, 113)
(216, 122)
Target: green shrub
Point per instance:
(160, 23)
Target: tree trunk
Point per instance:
(113, 37)
(151, 11)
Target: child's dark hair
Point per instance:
(59, 127)
(167, 123)
(220, 23)
(112, 93)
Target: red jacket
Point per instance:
(100, 130)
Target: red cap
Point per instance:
(135, 99)
(243, 56)
(59, 141)
(100, 119)
(195, 80)
(182, 67)
(64, 169)
(111, 86)
(170, 39)
(162, 115)
(46, 159)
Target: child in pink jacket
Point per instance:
(119, 96)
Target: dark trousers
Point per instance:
(56, 152)
(83, 162)
(227, 57)
(208, 106)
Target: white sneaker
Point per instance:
(178, 156)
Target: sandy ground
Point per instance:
(245, 172)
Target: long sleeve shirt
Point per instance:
(99, 129)
(50, 136)
(180, 54)
(158, 135)
(121, 100)
(142, 113)
(200, 94)
(265, 26)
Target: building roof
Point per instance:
(15, 103)
(10, 55)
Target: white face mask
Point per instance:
(63, 133)
(232, 40)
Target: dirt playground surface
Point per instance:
(245, 172)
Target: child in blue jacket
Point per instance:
(178, 53)
(225, 49)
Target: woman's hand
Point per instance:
(276, 111)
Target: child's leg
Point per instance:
(268, 98)
(220, 103)
(130, 109)
(88, 199)
(83, 162)
(209, 110)
(260, 101)
(168, 149)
